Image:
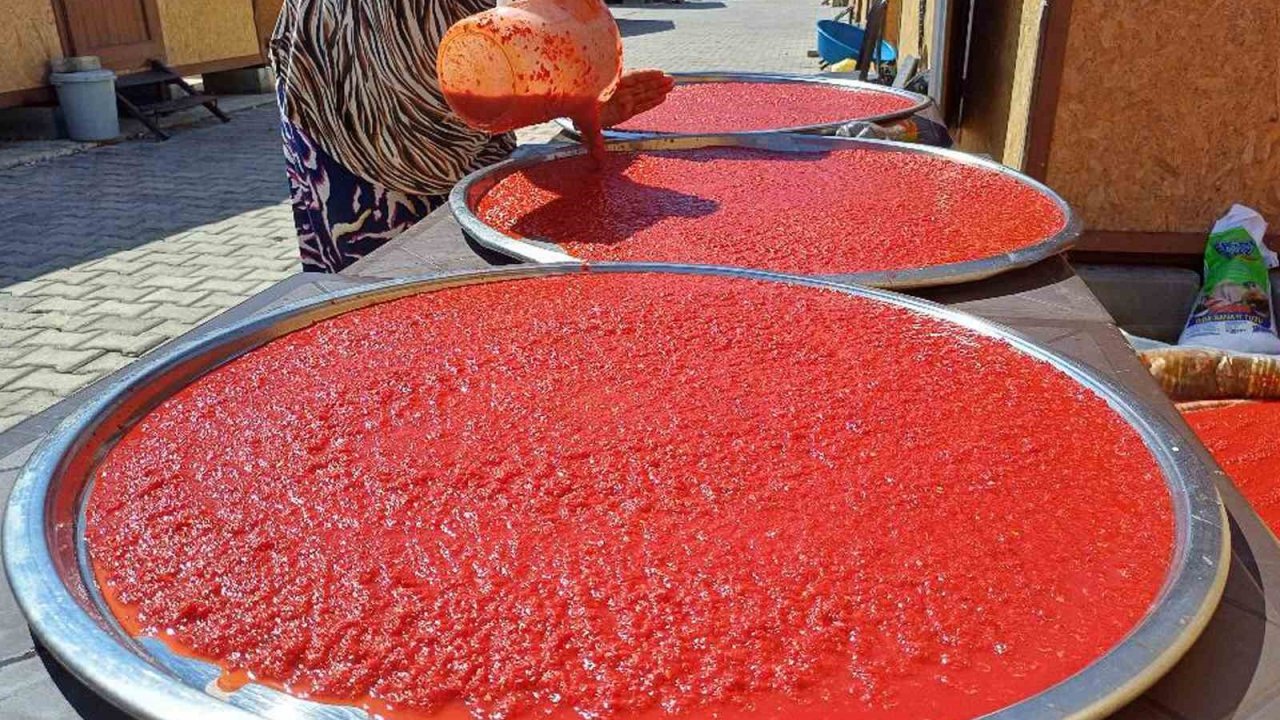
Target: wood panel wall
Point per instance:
(28, 40)
(1167, 116)
(265, 13)
(206, 31)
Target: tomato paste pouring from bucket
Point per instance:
(531, 61)
(371, 143)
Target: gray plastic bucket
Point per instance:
(88, 102)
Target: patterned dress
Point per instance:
(369, 141)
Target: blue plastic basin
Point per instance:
(840, 41)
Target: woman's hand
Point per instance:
(637, 91)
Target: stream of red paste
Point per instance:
(719, 107)
(635, 496)
(1242, 438)
(814, 213)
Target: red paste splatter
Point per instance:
(1241, 437)
(838, 212)
(621, 496)
(718, 107)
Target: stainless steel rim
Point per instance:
(918, 103)
(42, 542)
(467, 193)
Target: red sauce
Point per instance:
(1242, 438)
(636, 496)
(718, 107)
(838, 212)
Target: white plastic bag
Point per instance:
(1233, 310)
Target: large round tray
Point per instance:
(918, 102)
(467, 193)
(46, 560)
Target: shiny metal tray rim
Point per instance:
(471, 188)
(919, 103)
(43, 544)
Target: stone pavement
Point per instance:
(108, 253)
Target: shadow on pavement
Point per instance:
(86, 702)
(629, 27)
(83, 207)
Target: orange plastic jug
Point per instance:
(530, 61)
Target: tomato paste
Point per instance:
(721, 107)
(631, 495)
(1241, 437)
(845, 211)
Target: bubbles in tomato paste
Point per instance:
(843, 211)
(624, 496)
(721, 107)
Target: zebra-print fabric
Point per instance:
(340, 216)
(359, 77)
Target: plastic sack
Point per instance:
(1233, 310)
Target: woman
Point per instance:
(370, 143)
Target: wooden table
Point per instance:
(1233, 671)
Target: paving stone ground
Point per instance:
(106, 254)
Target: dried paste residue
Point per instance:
(839, 212)
(717, 107)
(620, 496)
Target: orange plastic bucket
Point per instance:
(530, 61)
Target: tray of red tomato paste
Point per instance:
(619, 491)
(704, 103)
(873, 212)
(1242, 436)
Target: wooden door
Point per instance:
(124, 33)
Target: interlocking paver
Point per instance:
(189, 315)
(59, 339)
(132, 345)
(222, 300)
(59, 384)
(181, 298)
(127, 325)
(26, 401)
(10, 375)
(172, 282)
(109, 362)
(53, 320)
(234, 287)
(61, 359)
(123, 293)
(12, 336)
(67, 305)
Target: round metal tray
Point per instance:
(918, 103)
(45, 558)
(467, 193)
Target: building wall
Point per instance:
(200, 31)
(28, 40)
(1166, 118)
